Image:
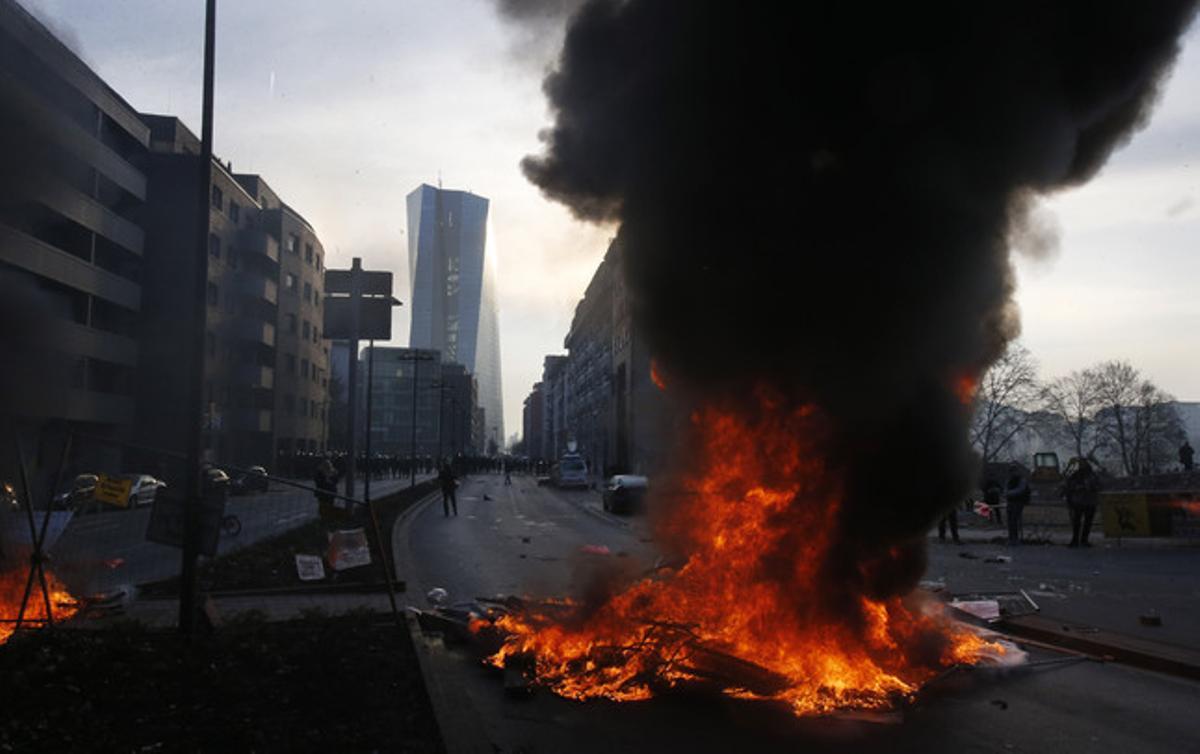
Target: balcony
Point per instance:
(254, 376)
(257, 287)
(258, 241)
(254, 331)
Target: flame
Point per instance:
(754, 610)
(12, 589)
(965, 388)
(656, 376)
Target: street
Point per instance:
(107, 552)
(530, 540)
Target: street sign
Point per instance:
(373, 283)
(113, 491)
(1125, 514)
(374, 319)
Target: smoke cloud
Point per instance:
(824, 206)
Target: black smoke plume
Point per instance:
(821, 202)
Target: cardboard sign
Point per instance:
(113, 491)
(1125, 514)
(309, 567)
(348, 549)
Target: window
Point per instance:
(291, 320)
(232, 258)
(308, 253)
(289, 403)
(308, 291)
(289, 361)
(214, 296)
(318, 265)
(304, 368)
(293, 243)
(306, 330)
(235, 211)
(214, 246)
(316, 334)
(289, 281)
(218, 199)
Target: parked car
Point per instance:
(624, 493)
(76, 492)
(570, 471)
(254, 480)
(143, 490)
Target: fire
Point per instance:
(12, 589)
(656, 375)
(965, 388)
(754, 611)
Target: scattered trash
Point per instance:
(525, 540)
(522, 556)
(437, 596)
(998, 559)
(968, 555)
(487, 496)
(309, 567)
(988, 610)
(348, 549)
(932, 586)
(1150, 619)
(113, 564)
(1000, 703)
(595, 550)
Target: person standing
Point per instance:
(1017, 495)
(449, 483)
(950, 517)
(1185, 455)
(1083, 495)
(325, 479)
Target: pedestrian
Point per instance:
(1185, 455)
(507, 473)
(1083, 495)
(1016, 495)
(325, 479)
(951, 517)
(448, 482)
(991, 497)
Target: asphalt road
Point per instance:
(529, 540)
(107, 552)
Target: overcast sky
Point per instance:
(346, 107)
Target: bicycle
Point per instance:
(231, 524)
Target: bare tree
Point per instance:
(1074, 400)
(1137, 417)
(1004, 402)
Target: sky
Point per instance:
(344, 108)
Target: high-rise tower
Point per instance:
(451, 263)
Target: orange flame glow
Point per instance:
(754, 610)
(656, 376)
(965, 388)
(12, 589)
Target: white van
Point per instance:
(571, 471)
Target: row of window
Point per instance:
(308, 331)
(302, 406)
(292, 246)
(291, 284)
(307, 370)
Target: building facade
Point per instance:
(588, 410)
(452, 268)
(265, 372)
(405, 401)
(71, 242)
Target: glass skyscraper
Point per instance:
(451, 264)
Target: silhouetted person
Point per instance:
(1083, 494)
(1017, 495)
(325, 479)
(449, 483)
(1186, 455)
(507, 473)
(991, 497)
(951, 518)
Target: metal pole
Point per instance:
(367, 421)
(441, 417)
(192, 473)
(412, 446)
(352, 373)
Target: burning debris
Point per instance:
(814, 219)
(13, 586)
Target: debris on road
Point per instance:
(998, 559)
(1150, 619)
(968, 555)
(596, 550)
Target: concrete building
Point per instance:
(395, 372)
(533, 417)
(266, 373)
(71, 245)
(452, 268)
(588, 375)
(554, 407)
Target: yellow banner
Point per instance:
(113, 491)
(1125, 514)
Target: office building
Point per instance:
(451, 266)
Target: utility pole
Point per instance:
(194, 487)
(370, 378)
(352, 388)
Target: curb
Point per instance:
(1128, 650)
(459, 728)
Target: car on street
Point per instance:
(624, 493)
(143, 490)
(254, 480)
(76, 492)
(571, 472)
